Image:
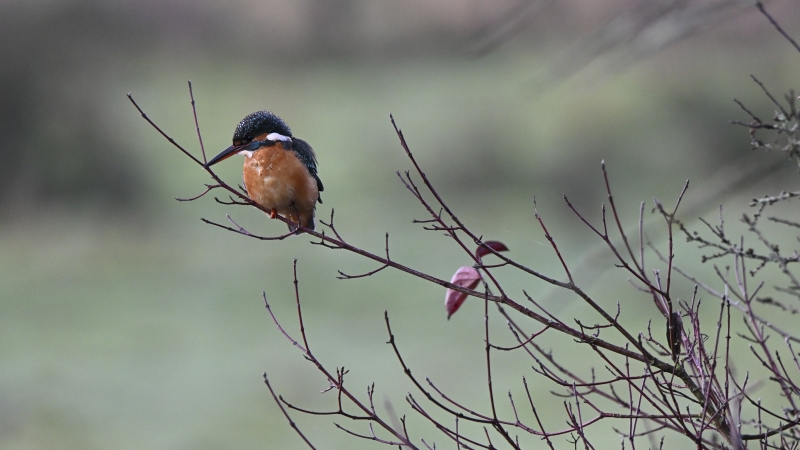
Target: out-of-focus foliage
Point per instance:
(57, 57)
(57, 145)
(53, 144)
(119, 335)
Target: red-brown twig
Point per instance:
(687, 395)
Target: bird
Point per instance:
(280, 170)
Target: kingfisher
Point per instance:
(280, 171)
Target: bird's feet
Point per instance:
(273, 213)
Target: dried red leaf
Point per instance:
(466, 277)
(483, 249)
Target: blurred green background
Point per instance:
(127, 323)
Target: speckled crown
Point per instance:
(260, 122)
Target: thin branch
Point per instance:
(774, 23)
(286, 413)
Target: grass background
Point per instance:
(130, 324)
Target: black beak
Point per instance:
(225, 154)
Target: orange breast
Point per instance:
(276, 179)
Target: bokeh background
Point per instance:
(127, 323)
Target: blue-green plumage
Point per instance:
(258, 123)
(266, 122)
(306, 155)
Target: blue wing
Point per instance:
(306, 155)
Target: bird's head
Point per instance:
(254, 131)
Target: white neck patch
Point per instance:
(246, 153)
(278, 137)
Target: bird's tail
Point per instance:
(296, 230)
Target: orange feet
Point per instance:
(273, 213)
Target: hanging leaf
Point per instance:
(466, 277)
(483, 249)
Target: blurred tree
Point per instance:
(50, 144)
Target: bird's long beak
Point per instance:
(225, 154)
